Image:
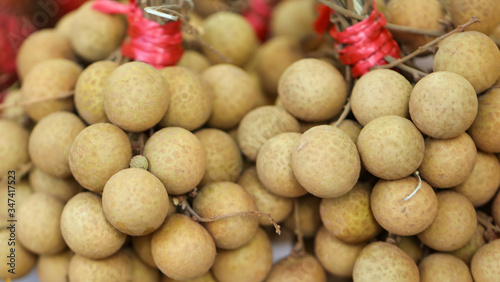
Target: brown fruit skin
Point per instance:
(274, 165)
(13, 112)
(293, 18)
(495, 210)
(25, 260)
(483, 182)
(414, 13)
(448, 162)
(485, 265)
(252, 262)
(116, 268)
(486, 10)
(50, 142)
(391, 147)
(48, 80)
(312, 90)
(454, 225)
(485, 130)
(466, 252)
(101, 145)
(326, 162)
(64, 25)
(260, 124)
(42, 45)
(62, 189)
(207, 7)
(301, 268)
(54, 268)
(336, 256)
(141, 272)
(380, 261)
(380, 93)
(278, 207)
(404, 218)
(83, 213)
(169, 152)
(221, 198)
(411, 246)
(349, 217)
(133, 89)
(443, 105)
(14, 149)
(89, 91)
(182, 248)
(231, 35)
(194, 61)
(190, 98)
(95, 35)
(135, 202)
(233, 90)
(142, 247)
(350, 127)
(309, 217)
(471, 54)
(207, 277)
(443, 267)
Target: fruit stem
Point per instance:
(417, 74)
(347, 109)
(298, 249)
(417, 173)
(491, 229)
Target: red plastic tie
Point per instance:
(259, 15)
(149, 42)
(362, 45)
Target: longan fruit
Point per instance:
(22, 192)
(309, 217)
(312, 90)
(293, 18)
(141, 272)
(50, 142)
(221, 198)
(115, 268)
(443, 104)
(467, 251)
(326, 162)
(142, 247)
(207, 7)
(297, 268)
(177, 158)
(486, 10)
(39, 219)
(391, 147)
(485, 130)
(182, 248)
(454, 225)
(133, 89)
(411, 246)
(14, 149)
(54, 268)
(86, 229)
(194, 61)
(350, 127)
(49, 80)
(495, 209)
(64, 25)
(443, 267)
(207, 277)
(12, 111)
(252, 262)
(62, 189)
(24, 260)
(101, 145)
(381, 261)
(380, 93)
(89, 91)
(485, 265)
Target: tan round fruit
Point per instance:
(486, 10)
(207, 277)
(456, 52)
(454, 225)
(252, 262)
(483, 182)
(382, 261)
(443, 267)
(312, 90)
(177, 158)
(135, 202)
(207, 7)
(38, 223)
(443, 104)
(309, 217)
(22, 261)
(47, 81)
(336, 256)
(86, 229)
(50, 142)
(391, 147)
(467, 251)
(142, 247)
(62, 189)
(278, 207)
(400, 217)
(182, 248)
(117, 267)
(233, 91)
(448, 162)
(350, 127)
(194, 61)
(42, 45)
(89, 91)
(495, 211)
(485, 130)
(326, 162)
(64, 25)
(221, 198)
(101, 145)
(411, 246)
(231, 35)
(54, 268)
(14, 149)
(141, 272)
(133, 89)
(300, 268)
(22, 192)
(293, 18)
(349, 217)
(485, 265)
(190, 98)
(13, 111)
(224, 161)
(260, 124)
(274, 165)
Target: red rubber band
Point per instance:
(259, 15)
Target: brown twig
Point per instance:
(417, 74)
(391, 238)
(491, 229)
(345, 113)
(33, 101)
(299, 248)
